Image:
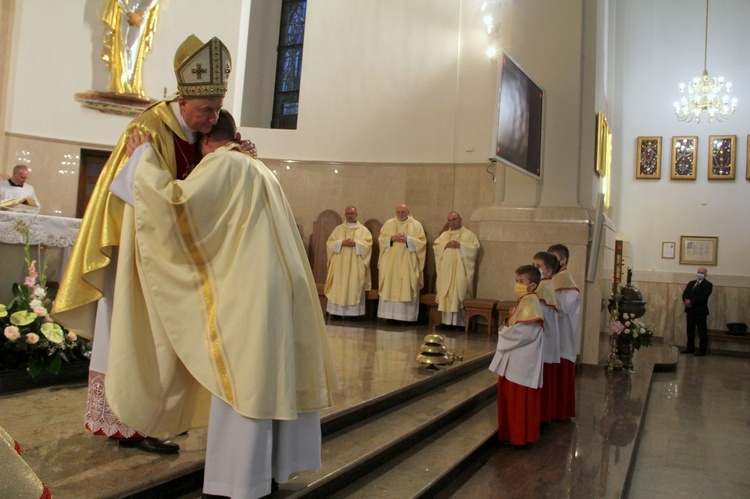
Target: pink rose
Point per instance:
(72, 336)
(32, 338)
(29, 281)
(12, 333)
(40, 311)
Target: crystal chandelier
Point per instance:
(706, 93)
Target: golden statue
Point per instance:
(132, 24)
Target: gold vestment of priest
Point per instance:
(83, 283)
(214, 296)
(401, 271)
(348, 270)
(455, 268)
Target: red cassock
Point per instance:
(518, 410)
(518, 363)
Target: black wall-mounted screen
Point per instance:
(519, 120)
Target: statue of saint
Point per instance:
(132, 24)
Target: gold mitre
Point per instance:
(202, 70)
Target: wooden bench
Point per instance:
(503, 311)
(435, 317)
(723, 336)
(481, 307)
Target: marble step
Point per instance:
(428, 467)
(356, 450)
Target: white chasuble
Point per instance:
(214, 295)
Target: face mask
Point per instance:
(520, 290)
(701, 277)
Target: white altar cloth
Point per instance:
(50, 238)
(58, 232)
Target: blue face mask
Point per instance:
(701, 277)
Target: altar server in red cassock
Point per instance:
(569, 306)
(547, 263)
(518, 362)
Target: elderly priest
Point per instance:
(349, 250)
(456, 252)
(403, 247)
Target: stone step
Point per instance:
(427, 467)
(355, 450)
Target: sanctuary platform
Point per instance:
(398, 430)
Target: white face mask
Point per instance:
(701, 277)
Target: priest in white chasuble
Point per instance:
(456, 252)
(217, 307)
(403, 248)
(349, 249)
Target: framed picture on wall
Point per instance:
(698, 250)
(684, 157)
(667, 249)
(648, 164)
(747, 166)
(721, 157)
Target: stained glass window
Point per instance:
(289, 64)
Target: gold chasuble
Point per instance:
(401, 276)
(214, 296)
(82, 285)
(455, 268)
(348, 271)
(528, 309)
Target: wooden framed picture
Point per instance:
(721, 157)
(648, 164)
(603, 145)
(684, 157)
(698, 250)
(667, 249)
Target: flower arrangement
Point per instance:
(633, 332)
(31, 338)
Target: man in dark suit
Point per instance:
(695, 298)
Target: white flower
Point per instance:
(643, 330)
(627, 323)
(35, 303)
(72, 336)
(626, 316)
(40, 292)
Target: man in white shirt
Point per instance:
(17, 187)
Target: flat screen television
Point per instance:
(518, 140)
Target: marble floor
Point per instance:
(371, 360)
(694, 438)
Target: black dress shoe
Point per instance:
(152, 445)
(700, 353)
(688, 350)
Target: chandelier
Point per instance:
(705, 93)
